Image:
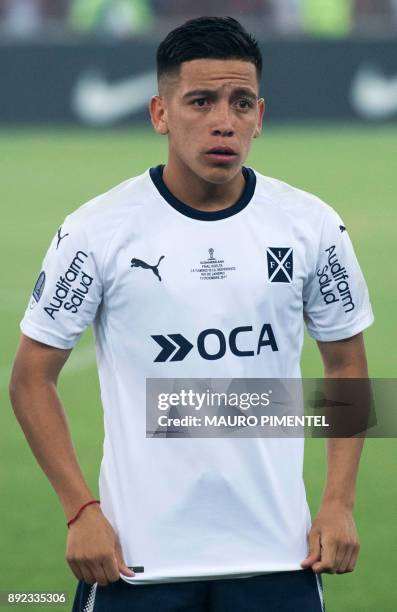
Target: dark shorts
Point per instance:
(297, 591)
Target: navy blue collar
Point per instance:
(156, 174)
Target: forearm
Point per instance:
(40, 413)
(343, 454)
(343, 457)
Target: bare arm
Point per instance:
(39, 411)
(333, 538)
(343, 359)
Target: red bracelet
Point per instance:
(93, 501)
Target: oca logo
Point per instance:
(175, 347)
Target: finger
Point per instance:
(353, 559)
(327, 563)
(98, 573)
(343, 565)
(110, 567)
(314, 550)
(87, 574)
(124, 569)
(341, 552)
(76, 570)
(122, 566)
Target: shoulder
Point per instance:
(105, 212)
(304, 206)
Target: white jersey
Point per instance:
(173, 292)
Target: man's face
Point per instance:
(210, 112)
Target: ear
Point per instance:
(158, 115)
(261, 106)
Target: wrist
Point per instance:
(73, 500)
(83, 508)
(345, 503)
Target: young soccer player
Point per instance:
(205, 524)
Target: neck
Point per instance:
(199, 193)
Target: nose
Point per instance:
(222, 124)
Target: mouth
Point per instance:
(222, 154)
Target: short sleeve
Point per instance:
(68, 290)
(336, 303)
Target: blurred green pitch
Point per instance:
(47, 174)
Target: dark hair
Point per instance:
(207, 38)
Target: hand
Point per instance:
(93, 549)
(333, 540)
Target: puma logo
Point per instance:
(60, 237)
(138, 263)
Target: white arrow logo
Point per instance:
(98, 102)
(374, 95)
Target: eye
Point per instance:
(200, 102)
(244, 104)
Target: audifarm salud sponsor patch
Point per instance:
(333, 283)
(71, 288)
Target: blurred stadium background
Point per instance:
(123, 18)
(75, 79)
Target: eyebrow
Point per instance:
(241, 91)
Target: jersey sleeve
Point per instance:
(336, 303)
(68, 290)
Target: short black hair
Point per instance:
(207, 38)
